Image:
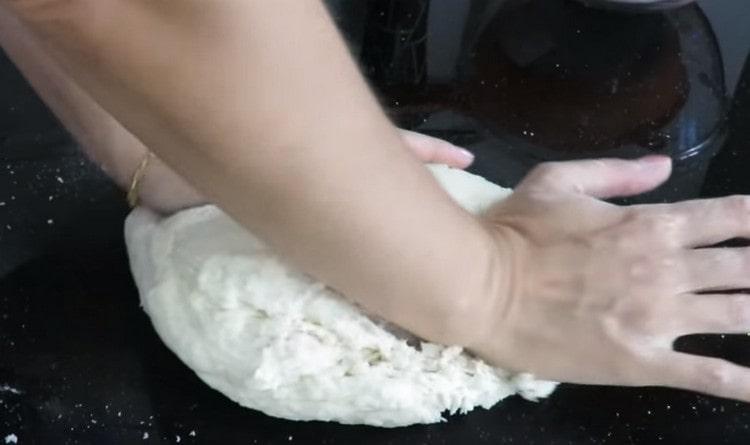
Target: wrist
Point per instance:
(492, 336)
(458, 306)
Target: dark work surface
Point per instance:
(80, 362)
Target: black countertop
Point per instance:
(80, 362)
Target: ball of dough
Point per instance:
(273, 339)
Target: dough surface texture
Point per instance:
(275, 340)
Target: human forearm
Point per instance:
(115, 149)
(258, 104)
(103, 139)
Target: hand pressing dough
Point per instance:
(273, 339)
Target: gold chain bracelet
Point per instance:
(138, 175)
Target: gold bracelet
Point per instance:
(138, 175)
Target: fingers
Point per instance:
(601, 178)
(705, 375)
(717, 269)
(433, 150)
(711, 314)
(710, 221)
(711, 270)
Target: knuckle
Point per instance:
(546, 173)
(664, 222)
(663, 227)
(738, 312)
(714, 375)
(738, 205)
(655, 272)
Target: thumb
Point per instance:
(600, 178)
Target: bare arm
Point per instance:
(105, 141)
(259, 105)
(115, 149)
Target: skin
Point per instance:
(554, 280)
(119, 152)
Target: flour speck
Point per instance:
(10, 389)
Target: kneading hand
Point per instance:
(598, 293)
(553, 281)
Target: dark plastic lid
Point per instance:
(636, 5)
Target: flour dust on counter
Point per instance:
(273, 339)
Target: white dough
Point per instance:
(273, 339)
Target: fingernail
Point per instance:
(654, 161)
(466, 154)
